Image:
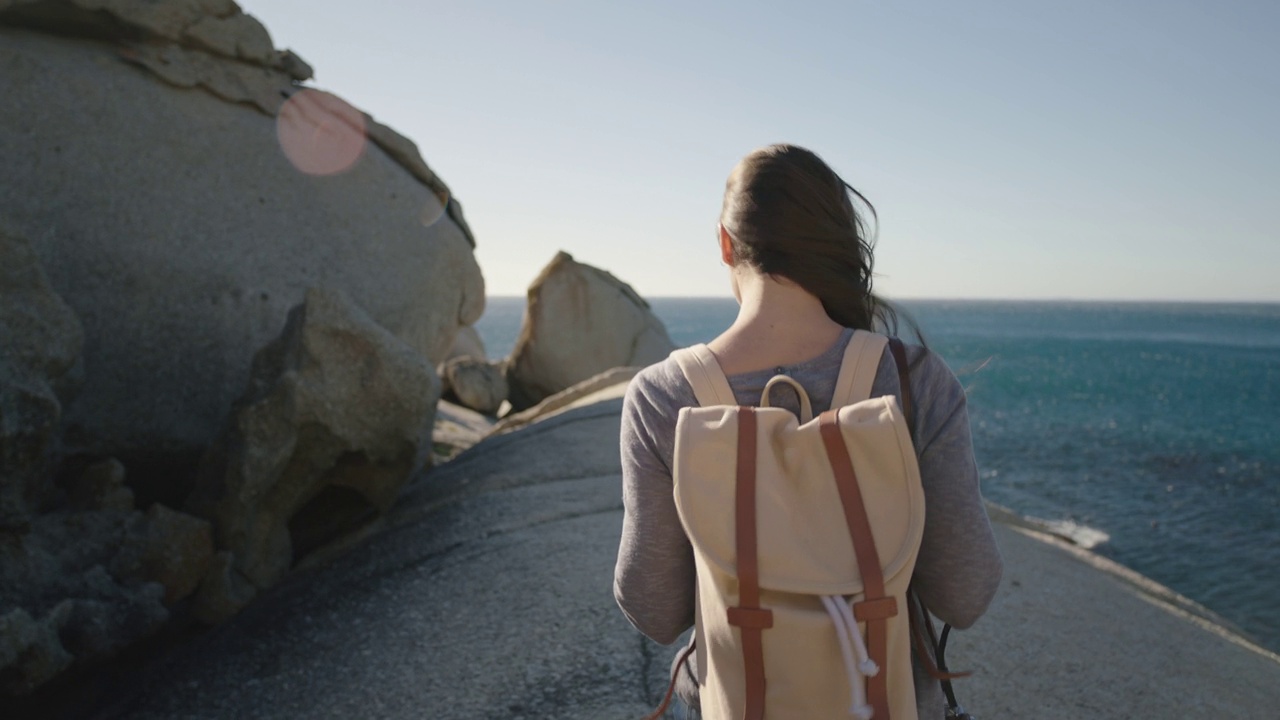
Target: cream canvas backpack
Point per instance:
(805, 534)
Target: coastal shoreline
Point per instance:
(419, 614)
(1190, 610)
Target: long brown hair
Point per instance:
(790, 215)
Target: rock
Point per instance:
(476, 383)
(223, 592)
(238, 36)
(101, 487)
(170, 548)
(264, 88)
(186, 261)
(405, 151)
(337, 416)
(216, 25)
(60, 606)
(292, 65)
(467, 343)
(30, 653)
(40, 343)
(580, 321)
(456, 429)
(608, 385)
(97, 628)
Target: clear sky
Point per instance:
(1069, 150)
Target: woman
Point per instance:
(800, 262)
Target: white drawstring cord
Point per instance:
(865, 663)
(858, 703)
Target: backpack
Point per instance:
(805, 535)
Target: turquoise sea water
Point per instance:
(1157, 424)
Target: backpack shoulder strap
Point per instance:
(858, 369)
(700, 368)
(904, 380)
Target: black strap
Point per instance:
(899, 352)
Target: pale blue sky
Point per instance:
(1082, 150)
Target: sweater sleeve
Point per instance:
(653, 581)
(959, 566)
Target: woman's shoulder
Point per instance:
(660, 388)
(937, 394)
(930, 374)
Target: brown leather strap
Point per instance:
(926, 647)
(899, 352)
(748, 616)
(864, 549)
(671, 687)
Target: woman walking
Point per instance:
(800, 265)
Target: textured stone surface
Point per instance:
(40, 342)
(337, 415)
(475, 383)
(101, 486)
(149, 217)
(236, 36)
(263, 87)
(580, 321)
(425, 609)
(61, 604)
(181, 235)
(456, 428)
(170, 548)
(607, 385)
(467, 343)
(30, 652)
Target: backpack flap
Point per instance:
(804, 544)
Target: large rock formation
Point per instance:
(475, 383)
(168, 192)
(142, 160)
(82, 574)
(467, 343)
(580, 321)
(608, 385)
(40, 340)
(337, 416)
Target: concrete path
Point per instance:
(488, 595)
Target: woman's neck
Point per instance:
(778, 324)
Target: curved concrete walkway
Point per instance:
(488, 595)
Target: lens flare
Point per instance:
(320, 133)
(435, 208)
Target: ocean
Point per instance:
(1153, 429)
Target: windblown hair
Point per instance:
(791, 216)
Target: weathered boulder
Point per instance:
(171, 548)
(58, 603)
(580, 321)
(40, 340)
(608, 385)
(337, 416)
(467, 343)
(101, 486)
(179, 232)
(78, 586)
(456, 429)
(475, 383)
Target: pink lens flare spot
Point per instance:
(435, 208)
(320, 133)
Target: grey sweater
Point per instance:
(959, 565)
